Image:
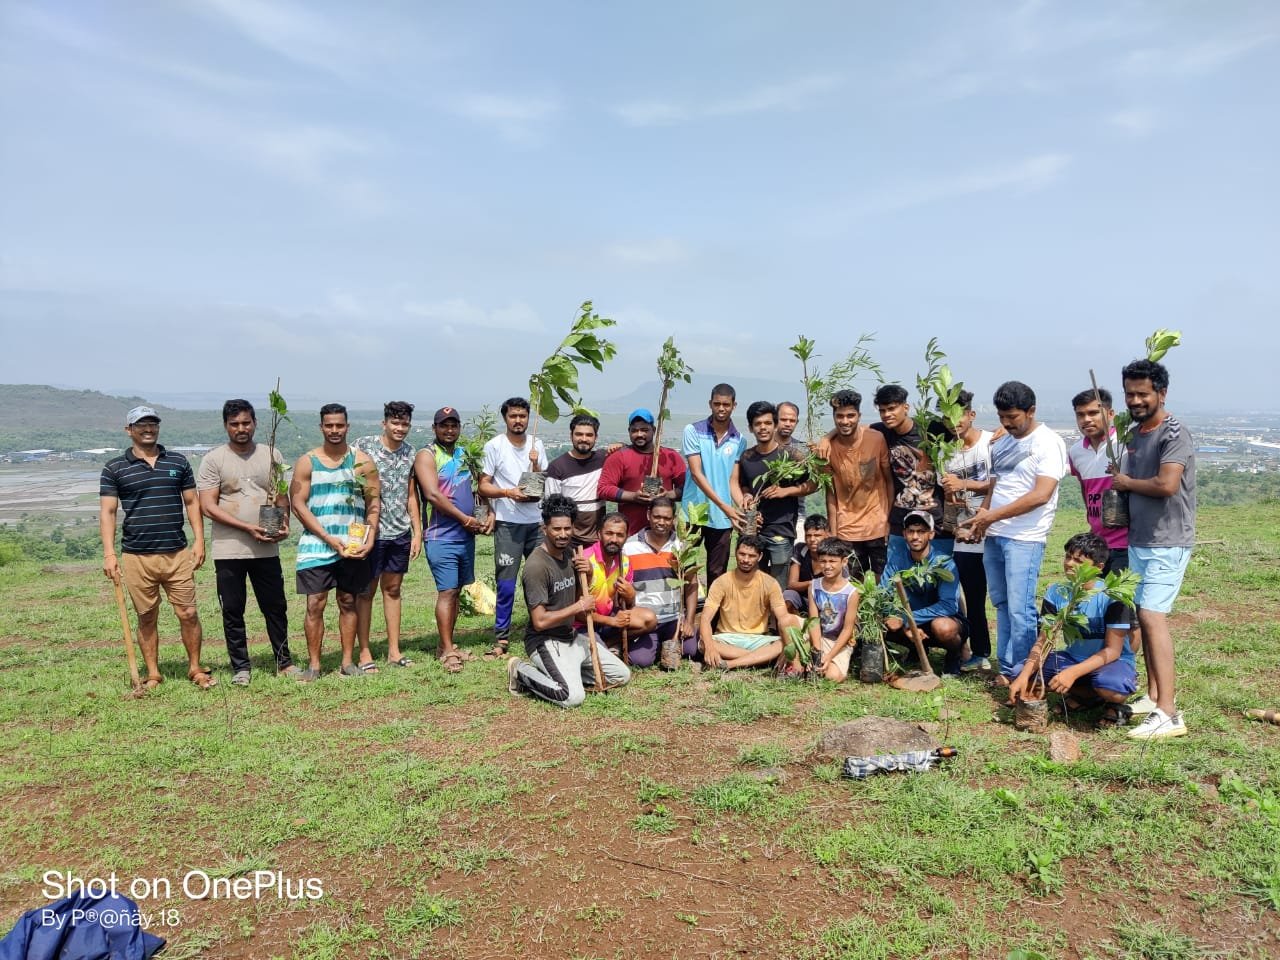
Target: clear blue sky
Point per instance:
(402, 199)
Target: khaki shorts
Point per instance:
(146, 573)
(842, 658)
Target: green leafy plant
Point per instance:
(938, 410)
(671, 370)
(556, 381)
(796, 646)
(481, 428)
(279, 415)
(821, 385)
(875, 603)
(927, 573)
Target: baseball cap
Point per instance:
(640, 413)
(140, 413)
(443, 414)
(925, 518)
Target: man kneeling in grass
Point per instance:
(1099, 667)
(744, 598)
(559, 663)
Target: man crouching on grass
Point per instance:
(559, 664)
(744, 598)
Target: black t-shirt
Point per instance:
(777, 517)
(915, 483)
(553, 585)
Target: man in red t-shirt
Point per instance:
(624, 471)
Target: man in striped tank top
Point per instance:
(333, 488)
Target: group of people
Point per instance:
(623, 575)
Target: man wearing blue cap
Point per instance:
(622, 478)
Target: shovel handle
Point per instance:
(915, 631)
(127, 631)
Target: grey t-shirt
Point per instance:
(242, 483)
(1162, 521)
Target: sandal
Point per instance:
(152, 682)
(1116, 715)
(401, 662)
(369, 668)
(466, 655)
(451, 662)
(499, 650)
(202, 678)
(351, 670)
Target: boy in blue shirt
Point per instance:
(1099, 667)
(936, 607)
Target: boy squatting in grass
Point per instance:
(833, 605)
(1099, 667)
(744, 598)
(936, 607)
(559, 663)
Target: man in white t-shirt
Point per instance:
(518, 529)
(1027, 463)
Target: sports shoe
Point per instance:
(1142, 706)
(241, 678)
(1159, 726)
(974, 664)
(513, 677)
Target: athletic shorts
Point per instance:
(346, 575)
(1161, 569)
(842, 658)
(452, 562)
(146, 573)
(746, 641)
(390, 556)
(1118, 676)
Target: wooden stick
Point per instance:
(1269, 716)
(626, 647)
(915, 631)
(591, 634)
(128, 635)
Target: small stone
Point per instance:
(1063, 747)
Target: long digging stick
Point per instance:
(591, 635)
(128, 636)
(915, 631)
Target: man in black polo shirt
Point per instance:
(155, 487)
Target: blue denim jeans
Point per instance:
(1013, 567)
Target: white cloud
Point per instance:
(1034, 173)
(516, 118)
(789, 95)
(1136, 123)
(1198, 59)
(292, 31)
(458, 317)
(660, 250)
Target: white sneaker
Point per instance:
(513, 677)
(1159, 726)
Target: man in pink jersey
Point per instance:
(1089, 462)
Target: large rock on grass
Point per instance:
(868, 736)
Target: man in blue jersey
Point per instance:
(450, 526)
(335, 496)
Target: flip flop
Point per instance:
(402, 662)
(152, 682)
(202, 678)
(307, 676)
(499, 650)
(369, 667)
(351, 670)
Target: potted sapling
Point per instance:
(875, 603)
(271, 515)
(939, 415)
(1067, 624)
(556, 382)
(480, 430)
(671, 370)
(1115, 504)
(689, 540)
